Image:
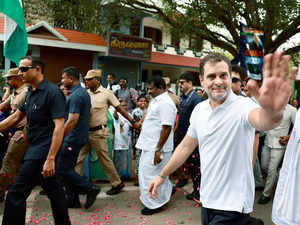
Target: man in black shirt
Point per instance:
(76, 132)
(188, 101)
(44, 106)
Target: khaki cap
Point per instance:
(12, 73)
(93, 73)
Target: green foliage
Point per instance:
(216, 21)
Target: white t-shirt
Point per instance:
(122, 136)
(286, 204)
(161, 111)
(225, 139)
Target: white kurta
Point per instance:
(286, 204)
(162, 111)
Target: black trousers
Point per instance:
(220, 217)
(66, 162)
(30, 176)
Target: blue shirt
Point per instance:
(41, 106)
(79, 102)
(186, 107)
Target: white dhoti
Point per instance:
(147, 172)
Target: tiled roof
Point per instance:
(177, 60)
(73, 36)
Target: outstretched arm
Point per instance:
(274, 93)
(182, 152)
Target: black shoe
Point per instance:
(74, 204)
(91, 196)
(193, 195)
(254, 221)
(116, 190)
(181, 183)
(146, 211)
(263, 199)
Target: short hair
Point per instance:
(188, 77)
(71, 71)
(142, 96)
(123, 78)
(157, 82)
(213, 57)
(35, 62)
(111, 74)
(240, 70)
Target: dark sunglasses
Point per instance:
(25, 68)
(235, 79)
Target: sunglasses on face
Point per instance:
(25, 68)
(235, 80)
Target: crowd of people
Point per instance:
(230, 136)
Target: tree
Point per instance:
(216, 21)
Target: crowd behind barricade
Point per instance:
(48, 130)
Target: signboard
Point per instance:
(130, 47)
(252, 51)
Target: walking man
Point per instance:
(17, 144)
(101, 99)
(223, 127)
(188, 101)
(76, 130)
(156, 142)
(44, 106)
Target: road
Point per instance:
(124, 208)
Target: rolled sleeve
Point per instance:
(75, 105)
(113, 99)
(22, 106)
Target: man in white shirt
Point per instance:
(223, 127)
(156, 142)
(111, 83)
(274, 148)
(286, 204)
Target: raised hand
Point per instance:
(277, 83)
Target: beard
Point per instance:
(218, 97)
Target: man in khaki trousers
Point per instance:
(101, 99)
(17, 144)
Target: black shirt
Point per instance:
(42, 105)
(186, 107)
(78, 101)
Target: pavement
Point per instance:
(124, 208)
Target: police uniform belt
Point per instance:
(100, 127)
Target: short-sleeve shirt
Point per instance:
(161, 111)
(101, 99)
(42, 105)
(78, 102)
(186, 107)
(15, 100)
(286, 204)
(273, 136)
(225, 137)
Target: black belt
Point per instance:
(100, 127)
(19, 128)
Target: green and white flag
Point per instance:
(15, 35)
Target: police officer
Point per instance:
(76, 136)
(101, 99)
(44, 106)
(18, 144)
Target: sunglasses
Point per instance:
(25, 68)
(235, 79)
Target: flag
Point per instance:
(15, 34)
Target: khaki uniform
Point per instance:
(101, 99)
(17, 145)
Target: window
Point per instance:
(196, 44)
(153, 33)
(135, 27)
(175, 40)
